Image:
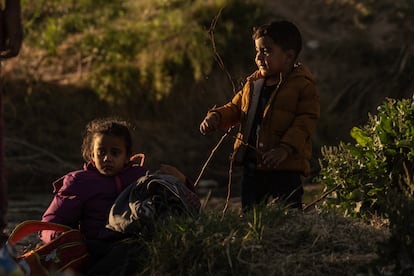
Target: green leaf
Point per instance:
(361, 136)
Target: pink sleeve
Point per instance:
(65, 208)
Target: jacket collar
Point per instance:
(90, 166)
(298, 70)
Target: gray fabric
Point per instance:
(241, 152)
(150, 197)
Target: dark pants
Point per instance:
(259, 186)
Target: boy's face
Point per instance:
(109, 154)
(271, 59)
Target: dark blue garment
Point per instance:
(265, 95)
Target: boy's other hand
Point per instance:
(274, 157)
(209, 124)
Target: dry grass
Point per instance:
(291, 243)
(317, 244)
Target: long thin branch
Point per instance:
(321, 197)
(223, 67)
(213, 151)
(216, 54)
(248, 145)
(226, 206)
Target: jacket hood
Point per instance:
(301, 71)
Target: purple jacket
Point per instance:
(84, 198)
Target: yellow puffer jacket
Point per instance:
(289, 117)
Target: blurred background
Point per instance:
(162, 64)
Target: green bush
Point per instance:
(376, 175)
(143, 48)
(381, 161)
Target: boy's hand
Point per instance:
(210, 123)
(274, 157)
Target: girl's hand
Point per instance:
(171, 170)
(274, 157)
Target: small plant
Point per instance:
(256, 227)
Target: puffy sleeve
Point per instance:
(235, 111)
(307, 114)
(65, 208)
(229, 113)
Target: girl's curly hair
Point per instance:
(105, 126)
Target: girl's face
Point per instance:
(109, 154)
(271, 59)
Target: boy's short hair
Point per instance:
(283, 33)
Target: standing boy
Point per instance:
(277, 110)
